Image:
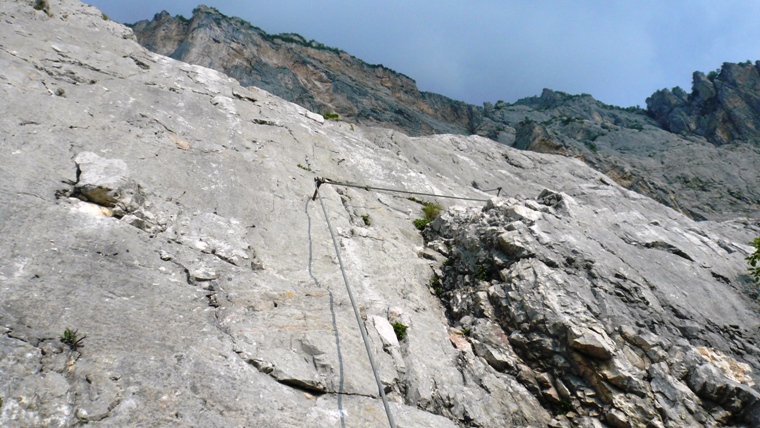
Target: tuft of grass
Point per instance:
(420, 223)
(481, 274)
(466, 332)
(367, 221)
(400, 330)
(753, 260)
(331, 116)
(71, 339)
(305, 168)
(431, 210)
(435, 284)
(105, 17)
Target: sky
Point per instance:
(619, 51)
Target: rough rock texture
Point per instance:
(163, 212)
(318, 77)
(723, 107)
(614, 321)
(679, 168)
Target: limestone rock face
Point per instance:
(535, 137)
(159, 216)
(595, 321)
(667, 152)
(318, 77)
(685, 172)
(723, 107)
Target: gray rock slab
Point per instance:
(182, 330)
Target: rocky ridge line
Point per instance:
(680, 168)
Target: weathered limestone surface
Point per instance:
(165, 212)
(609, 315)
(696, 153)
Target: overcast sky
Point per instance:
(619, 51)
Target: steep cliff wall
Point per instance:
(677, 168)
(162, 213)
(723, 107)
(687, 173)
(315, 76)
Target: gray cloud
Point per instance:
(486, 50)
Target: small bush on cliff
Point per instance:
(71, 339)
(400, 330)
(431, 211)
(331, 116)
(753, 260)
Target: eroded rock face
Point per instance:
(674, 165)
(165, 212)
(723, 107)
(318, 77)
(594, 322)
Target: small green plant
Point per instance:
(435, 284)
(736, 194)
(565, 407)
(400, 330)
(305, 168)
(481, 274)
(420, 223)
(367, 221)
(466, 332)
(105, 17)
(753, 260)
(431, 210)
(331, 116)
(42, 5)
(591, 146)
(413, 199)
(71, 339)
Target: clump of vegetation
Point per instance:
(331, 116)
(736, 194)
(431, 211)
(181, 18)
(635, 109)
(481, 274)
(420, 223)
(466, 332)
(435, 284)
(565, 407)
(71, 339)
(105, 17)
(367, 221)
(400, 330)
(694, 183)
(591, 146)
(637, 127)
(305, 168)
(566, 120)
(42, 5)
(753, 260)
